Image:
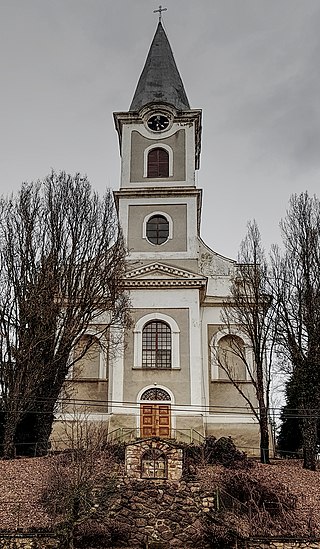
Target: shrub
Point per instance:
(116, 451)
(272, 498)
(192, 457)
(224, 452)
(98, 535)
(219, 535)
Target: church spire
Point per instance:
(160, 80)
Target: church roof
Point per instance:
(160, 80)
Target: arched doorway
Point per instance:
(155, 413)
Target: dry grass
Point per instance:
(21, 485)
(22, 482)
(294, 497)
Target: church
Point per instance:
(166, 381)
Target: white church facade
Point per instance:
(165, 380)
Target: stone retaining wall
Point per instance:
(28, 541)
(282, 544)
(162, 514)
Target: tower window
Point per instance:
(158, 163)
(157, 229)
(156, 345)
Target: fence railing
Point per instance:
(124, 434)
(227, 502)
(188, 435)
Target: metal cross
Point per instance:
(160, 10)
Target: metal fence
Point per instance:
(123, 434)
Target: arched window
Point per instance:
(155, 393)
(157, 229)
(153, 464)
(231, 355)
(171, 328)
(156, 345)
(158, 163)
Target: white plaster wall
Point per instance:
(218, 286)
(162, 299)
(192, 237)
(126, 154)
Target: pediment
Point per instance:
(161, 271)
(158, 274)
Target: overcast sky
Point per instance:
(251, 65)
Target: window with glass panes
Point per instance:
(157, 230)
(158, 163)
(156, 345)
(154, 464)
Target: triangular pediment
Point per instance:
(161, 271)
(160, 275)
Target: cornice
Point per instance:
(173, 278)
(164, 283)
(156, 192)
(160, 192)
(216, 301)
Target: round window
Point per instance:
(157, 230)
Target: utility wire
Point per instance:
(225, 410)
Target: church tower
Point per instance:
(165, 382)
(159, 210)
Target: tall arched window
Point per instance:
(173, 338)
(157, 229)
(156, 345)
(158, 163)
(231, 355)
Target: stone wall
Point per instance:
(157, 514)
(281, 544)
(28, 541)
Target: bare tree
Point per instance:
(250, 313)
(81, 483)
(62, 261)
(296, 279)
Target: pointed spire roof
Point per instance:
(160, 80)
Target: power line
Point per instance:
(225, 410)
(135, 403)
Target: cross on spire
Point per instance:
(160, 10)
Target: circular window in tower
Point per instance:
(157, 229)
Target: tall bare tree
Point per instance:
(81, 483)
(62, 261)
(296, 278)
(251, 312)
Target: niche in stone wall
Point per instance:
(154, 459)
(154, 464)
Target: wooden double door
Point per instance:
(155, 420)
